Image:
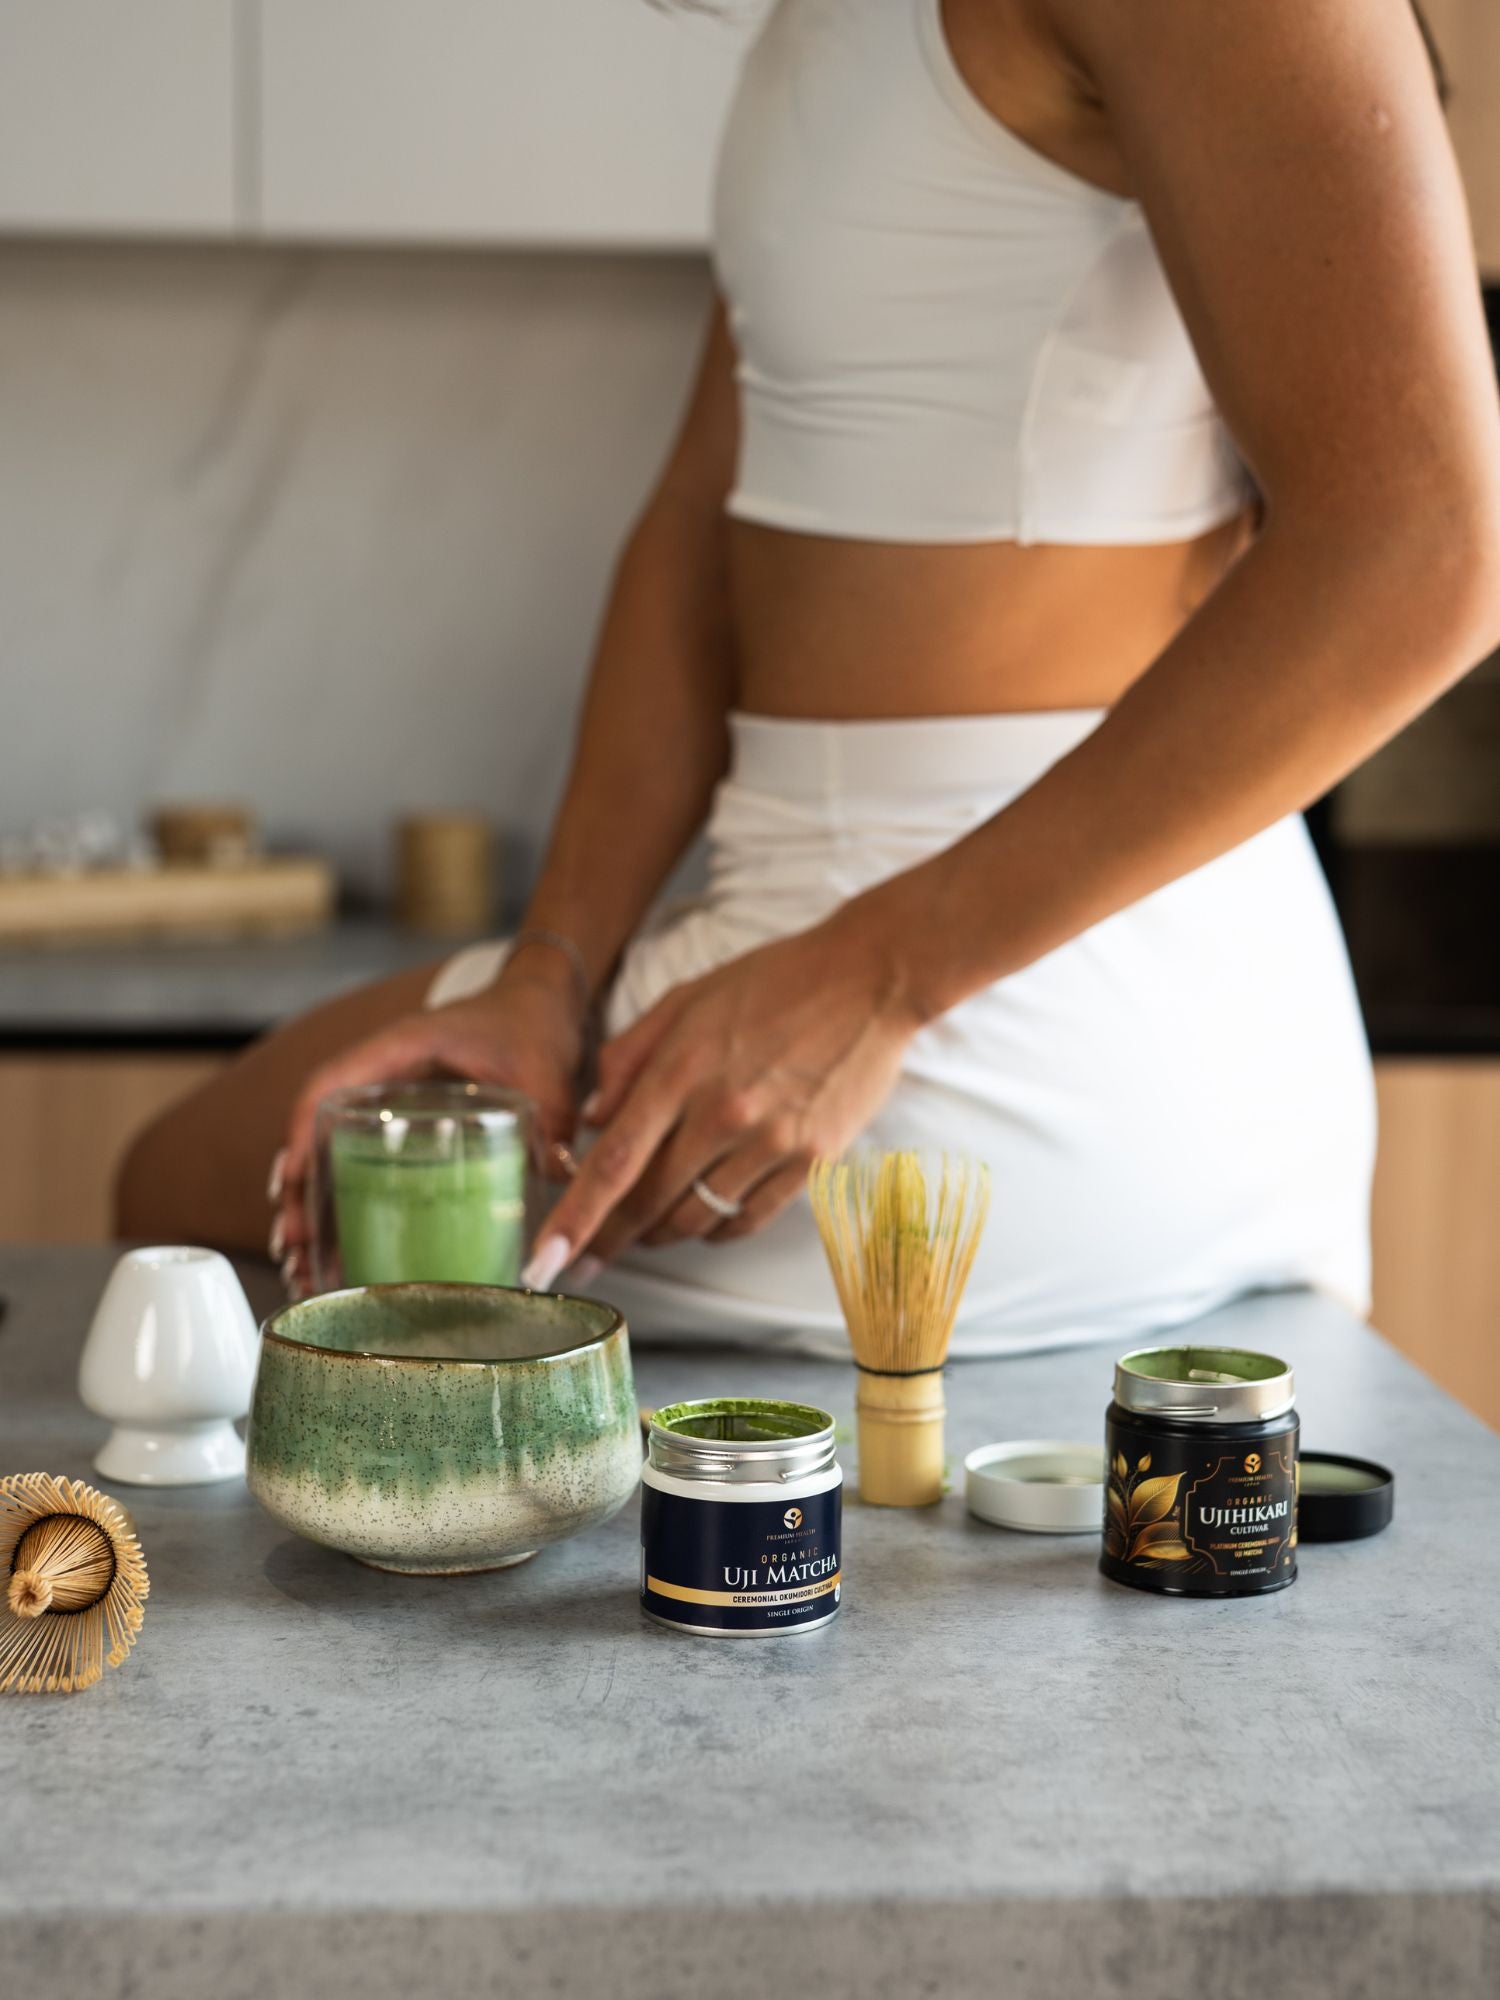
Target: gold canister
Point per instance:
(205, 836)
(445, 874)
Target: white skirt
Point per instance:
(1176, 1108)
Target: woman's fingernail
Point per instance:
(585, 1270)
(278, 1177)
(289, 1273)
(548, 1258)
(277, 1243)
(588, 1111)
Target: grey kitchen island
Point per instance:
(995, 1773)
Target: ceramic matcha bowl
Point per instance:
(437, 1429)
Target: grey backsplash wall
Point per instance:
(329, 533)
(325, 532)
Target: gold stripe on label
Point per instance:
(751, 1598)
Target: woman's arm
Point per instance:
(652, 740)
(651, 744)
(1292, 161)
(1291, 157)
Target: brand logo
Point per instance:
(793, 1518)
(1252, 1462)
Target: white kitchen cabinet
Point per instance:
(118, 115)
(568, 122)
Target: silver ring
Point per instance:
(720, 1204)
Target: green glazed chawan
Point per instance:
(437, 1429)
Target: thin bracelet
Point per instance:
(569, 950)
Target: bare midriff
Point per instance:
(840, 630)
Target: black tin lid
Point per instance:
(1342, 1499)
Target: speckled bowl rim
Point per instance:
(617, 1326)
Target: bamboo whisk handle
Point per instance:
(901, 1444)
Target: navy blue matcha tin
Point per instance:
(741, 1518)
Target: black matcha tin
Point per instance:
(1200, 1497)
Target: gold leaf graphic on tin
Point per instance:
(1140, 1521)
(1168, 1552)
(1157, 1540)
(1154, 1499)
(1114, 1522)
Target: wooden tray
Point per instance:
(291, 894)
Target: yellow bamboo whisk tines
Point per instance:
(900, 1244)
(72, 1584)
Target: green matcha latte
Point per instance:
(428, 1182)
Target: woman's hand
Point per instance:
(742, 1078)
(523, 1032)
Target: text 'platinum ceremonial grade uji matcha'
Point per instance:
(741, 1518)
(1200, 1497)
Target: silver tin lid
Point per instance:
(1206, 1385)
(1044, 1486)
(741, 1439)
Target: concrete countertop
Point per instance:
(222, 991)
(995, 1773)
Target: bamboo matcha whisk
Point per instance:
(72, 1580)
(901, 1252)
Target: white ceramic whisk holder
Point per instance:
(169, 1361)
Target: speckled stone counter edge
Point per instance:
(1376, 1947)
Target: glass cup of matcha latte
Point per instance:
(433, 1181)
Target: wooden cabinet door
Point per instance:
(118, 115)
(1437, 1223)
(65, 1122)
(580, 122)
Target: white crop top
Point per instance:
(943, 336)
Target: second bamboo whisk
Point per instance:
(900, 1248)
(75, 1584)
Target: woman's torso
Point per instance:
(837, 630)
(979, 469)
